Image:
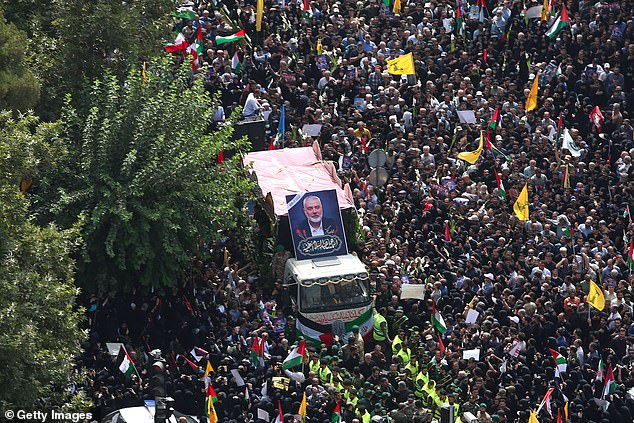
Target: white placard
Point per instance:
(237, 377)
(415, 291)
(467, 354)
(466, 116)
(113, 347)
(472, 316)
(312, 130)
(264, 415)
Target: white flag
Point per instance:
(569, 144)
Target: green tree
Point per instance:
(19, 89)
(75, 41)
(39, 326)
(141, 166)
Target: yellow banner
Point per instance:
(531, 101)
(472, 156)
(595, 297)
(403, 65)
(521, 204)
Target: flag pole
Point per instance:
(135, 369)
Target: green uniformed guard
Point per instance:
(404, 354)
(412, 366)
(314, 363)
(380, 328)
(324, 372)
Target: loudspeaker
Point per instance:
(255, 130)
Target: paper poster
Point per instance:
(311, 130)
(467, 354)
(263, 415)
(466, 116)
(472, 316)
(237, 377)
(413, 291)
(316, 225)
(113, 347)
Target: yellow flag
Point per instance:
(258, 15)
(472, 156)
(545, 11)
(319, 48)
(533, 418)
(595, 297)
(302, 407)
(521, 204)
(397, 7)
(403, 65)
(566, 411)
(211, 411)
(531, 101)
(209, 368)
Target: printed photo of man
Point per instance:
(316, 224)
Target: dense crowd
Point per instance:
(437, 220)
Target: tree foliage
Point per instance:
(75, 41)
(19, 89)
(39, 326)
(142, 169)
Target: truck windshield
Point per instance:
(339, 295)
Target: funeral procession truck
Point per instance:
(328, 286)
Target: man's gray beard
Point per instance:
(314, 219)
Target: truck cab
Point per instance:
(331, 296)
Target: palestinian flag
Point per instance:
(316, 333)
(500, 184)
(459, 22)
(569, 232)
(296, 356)
(198, 353)
(600, 370)
(235, 62)
(306, 10)
(125, 363)
(610, 384)
(436, 319)
(560, 362)
(180, 44)
(230, 38)
(626, 213)
(495, 119)
(546, 402)
(336, 413)
(560, 23)
(257, 352)
(196, 50)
